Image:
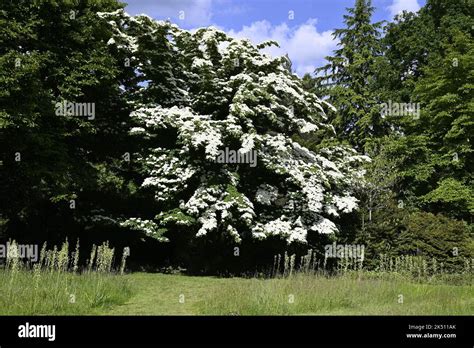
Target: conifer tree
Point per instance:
(348, 79)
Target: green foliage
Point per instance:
(185, 95)
(421, 164)
(396, 230)
(436, 236)
(452, 196)
(348, 78)
(433, 154)
(51, 52)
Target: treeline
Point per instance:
(403, 93)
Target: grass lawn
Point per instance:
(60, 293)
(56, 286)
(161, 294)
(49, 292)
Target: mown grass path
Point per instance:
(161, 294)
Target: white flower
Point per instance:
(324, 226)
(266, 194)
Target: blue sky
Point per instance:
(302, 27)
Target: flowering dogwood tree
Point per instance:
(201, 93)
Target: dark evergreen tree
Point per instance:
(348, 79)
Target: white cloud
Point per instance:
(305, 46)
(227, 7)
(399, 6)
(196, 12)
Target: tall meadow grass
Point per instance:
(411, 268)
(56, 285)
(405, 285)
